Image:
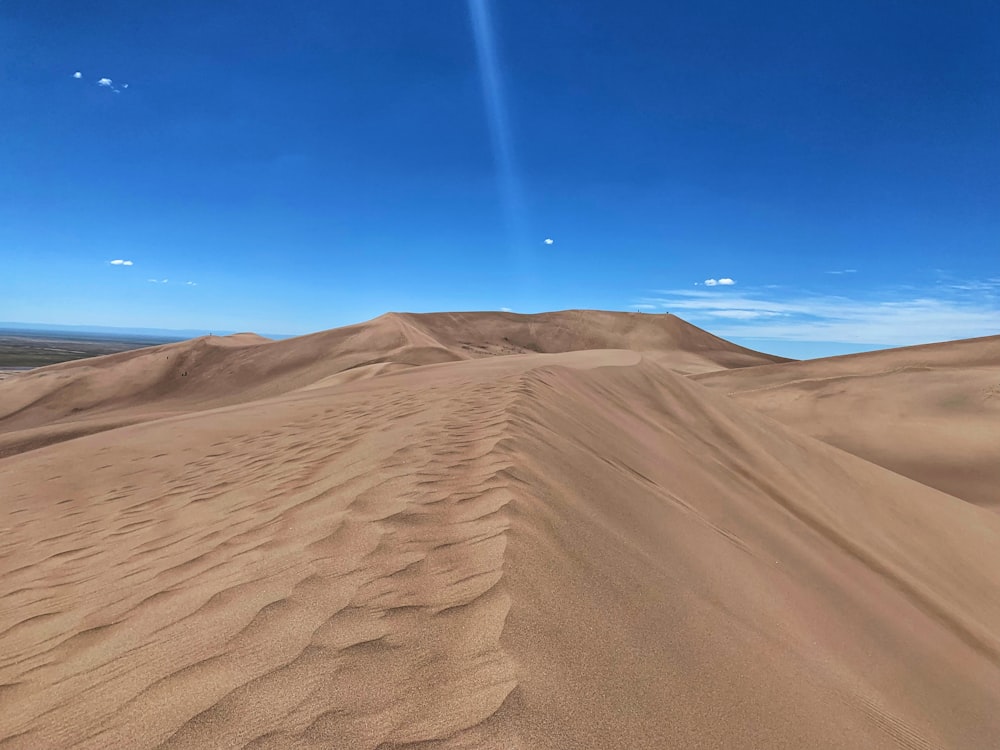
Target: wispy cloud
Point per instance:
(505, 309)
(120, 262)
(190, 283)
(719, 282)
(158, 281)
(78, 74)
(743, 314)
(106, 82)
(846, 270)
(894, 316)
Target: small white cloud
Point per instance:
(78, 74)
(164, 281)
(726, 282)
(106, 82)
(505, 309)
(124, 85)
(191, 283)
(549, 241)
(120, 262)
(711, 282)
(846, 270)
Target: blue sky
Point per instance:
(309, 165)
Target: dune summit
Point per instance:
(82, 397)
(482, 530)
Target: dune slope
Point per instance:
(573, 550)
(930, 412)
(78, 398)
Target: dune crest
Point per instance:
(77, 398)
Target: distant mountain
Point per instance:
(166, 334)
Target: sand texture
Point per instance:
(931, 413)
(483, 530)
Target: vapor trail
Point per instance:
(496, 111)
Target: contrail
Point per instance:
(496, 111)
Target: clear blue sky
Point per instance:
(312, 164)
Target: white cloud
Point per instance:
(107, 83)
(505, 309)
(726, 282)
(975, 286)
(846, 270)
(120, 262)
(549, 241)
(893, 316)
(711, 282)
(157, 281)
(78, 74)
(717, 282)
(191, 283)
(743, 314)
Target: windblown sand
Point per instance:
(476, 531)
(931, 413)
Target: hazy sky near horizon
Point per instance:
(289, 167)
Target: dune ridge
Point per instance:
(573, 549)
(76, 398)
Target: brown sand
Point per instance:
(76, 398)
(583, 549)
(931, 413)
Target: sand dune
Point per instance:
(579, 549)
(81, 397)
(931, 412)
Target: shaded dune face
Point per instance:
(931, 413)
(748, 587)
(579, 549)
